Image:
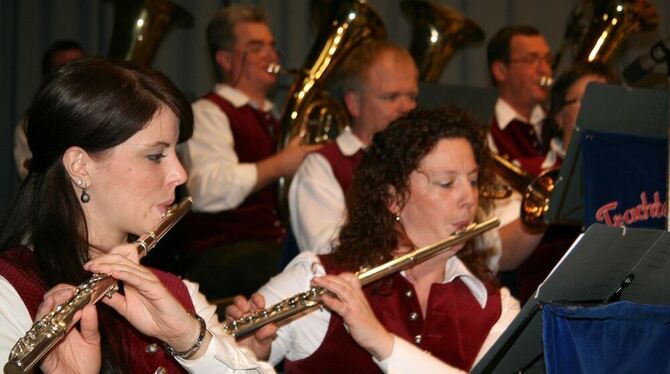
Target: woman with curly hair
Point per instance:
(417, 184)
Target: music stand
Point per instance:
(594, 270)
(605, 108)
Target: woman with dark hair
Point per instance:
(104, 171)
(417, 184)
(566, 96)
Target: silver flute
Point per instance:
(53, 327)
(310, 299)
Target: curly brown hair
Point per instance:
(370, 233)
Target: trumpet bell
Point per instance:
(437, 31)
(535, 203)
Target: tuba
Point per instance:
(351, 22)
(310, 112)
(535, 191)
(139, 27)
(437, 30)
(608, 22)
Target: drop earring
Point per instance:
(84, 197)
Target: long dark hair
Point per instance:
(94, 104)
(370, 234)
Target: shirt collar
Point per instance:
(455, 268)
(506, 114)
(348, 143)
(238, 98)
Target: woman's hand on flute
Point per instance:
(79, 351)
(147, 304)
(350, 303)
(261, 341)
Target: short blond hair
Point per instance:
(353, 75)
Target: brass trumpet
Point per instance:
(311, 299)
(53, 327)
(536, 190)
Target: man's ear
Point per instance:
(224, 59)
(77, 163)
(499, 71)
(352, 101)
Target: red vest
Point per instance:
(255, 133)
(518, 141)
(453, 330)
(343, 166)
(19, 267)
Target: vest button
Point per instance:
(152, 348)
(408, 293)
(413, 316)
(160, 370)
(417, 339)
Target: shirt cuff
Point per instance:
(222, 354)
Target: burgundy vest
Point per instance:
(518, 141)
(19, 267)
(343, 166)
(453, 330)
(255, 133)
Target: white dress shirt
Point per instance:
(223, 354)
(302, 337)
(217, 180)
(316, 199)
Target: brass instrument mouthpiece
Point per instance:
(546, 81)
(279, 69)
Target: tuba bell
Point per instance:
(139, 27)
(437, 31)
(607, 22)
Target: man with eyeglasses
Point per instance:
(231, 160)
(520, 62)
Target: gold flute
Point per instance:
(51, 328)
(303, 302)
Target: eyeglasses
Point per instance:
(258, 48)
(532, 60)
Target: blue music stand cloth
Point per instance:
(621, 337)
(625, 180)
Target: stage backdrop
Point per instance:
(27, 27)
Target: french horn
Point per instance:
(437, 31)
